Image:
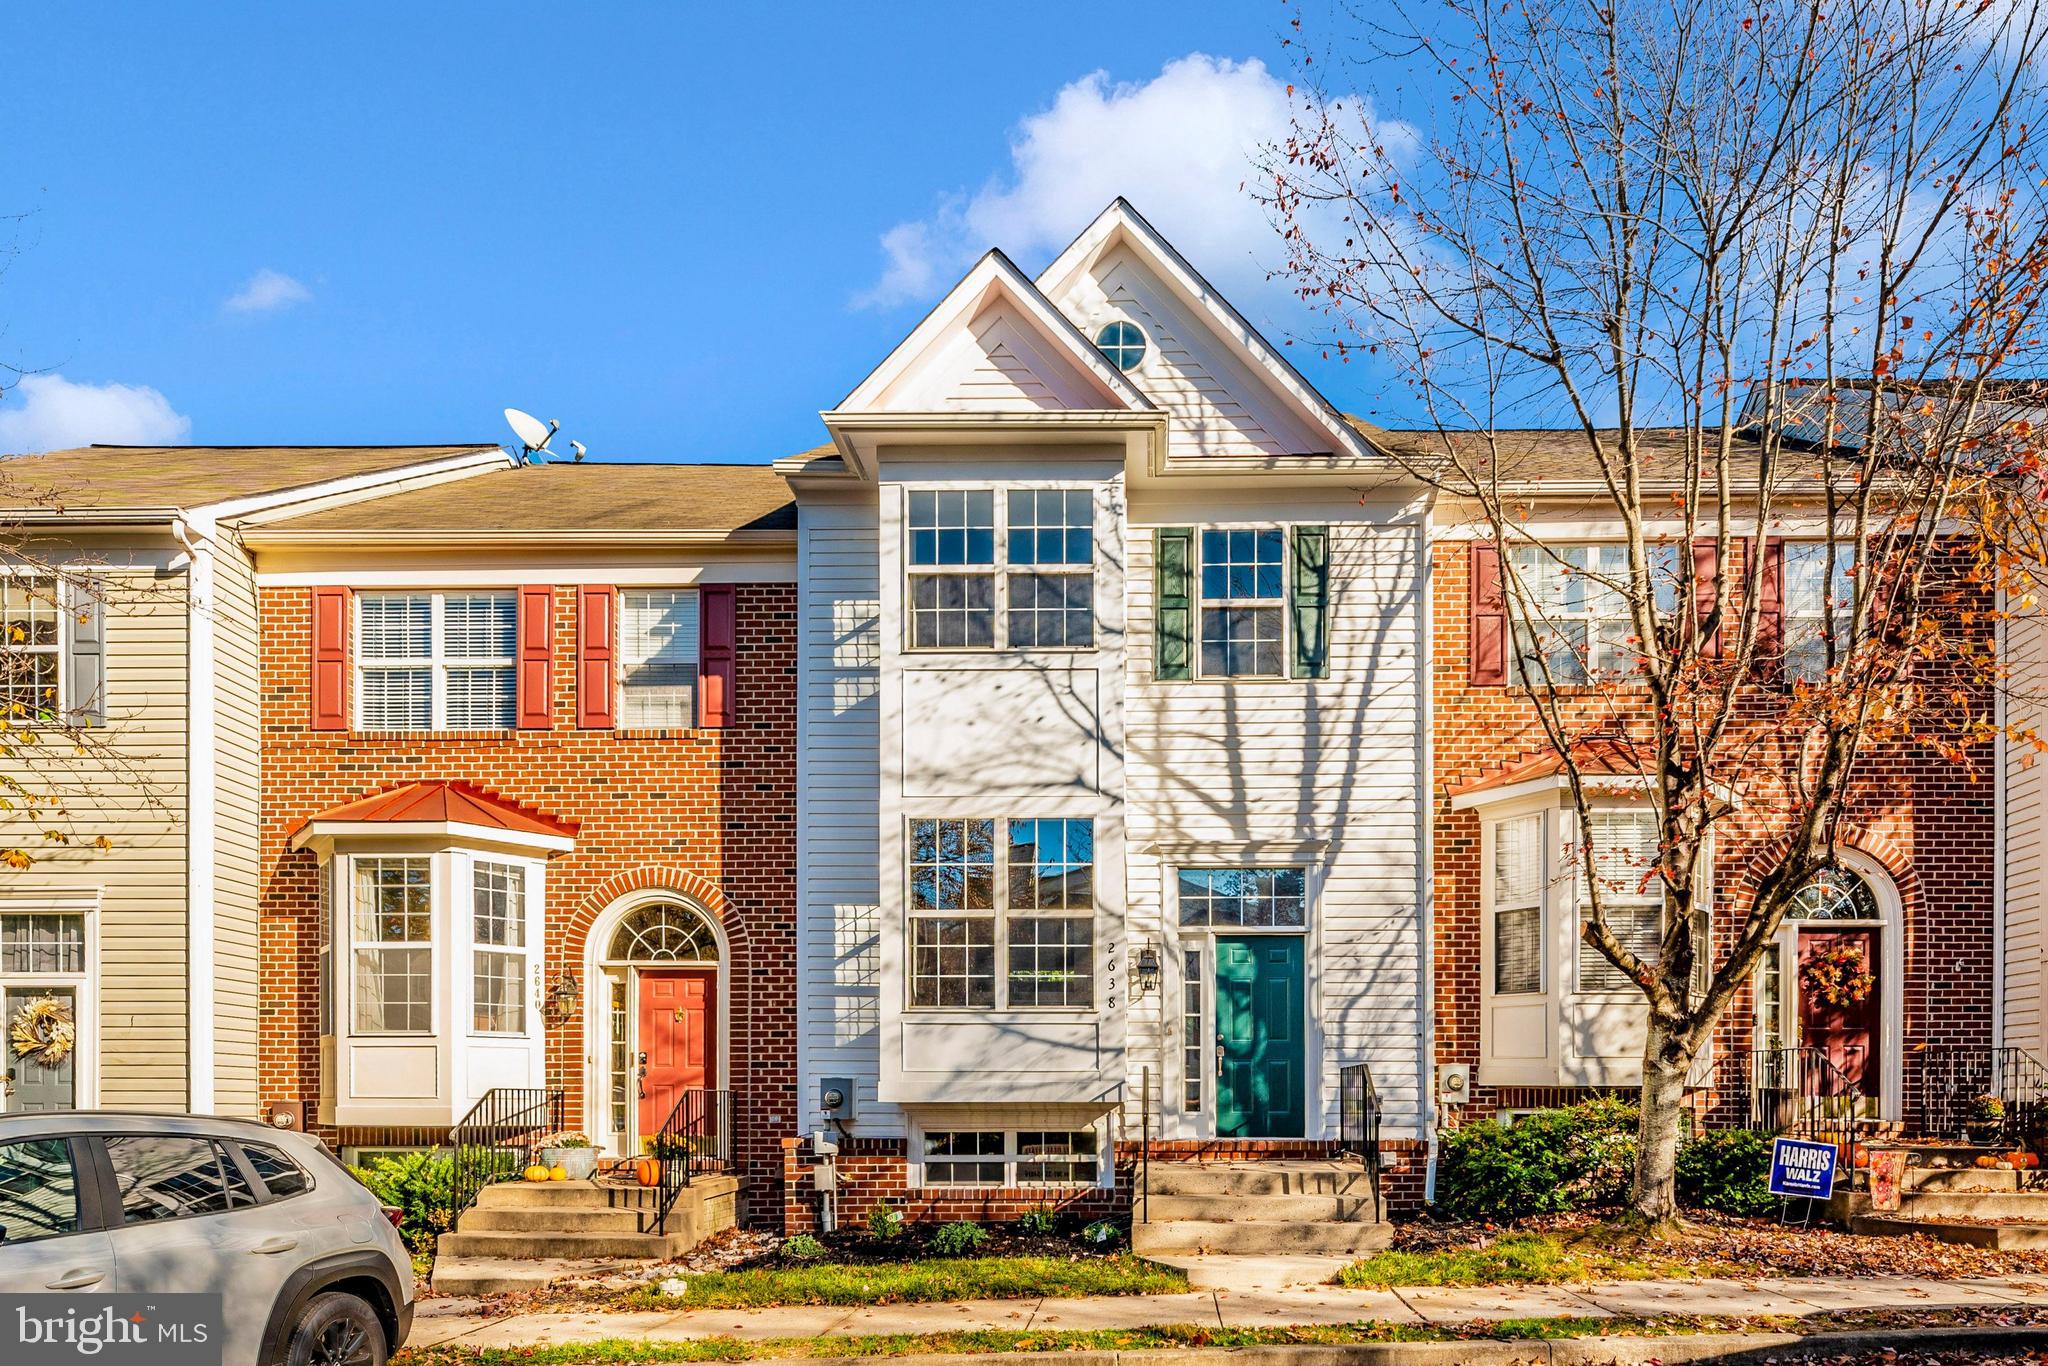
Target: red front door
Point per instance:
(1847, 1030)
(678, 1043)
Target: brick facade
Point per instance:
(710, 814)
(1904, 794)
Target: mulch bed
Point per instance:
(858, 1247)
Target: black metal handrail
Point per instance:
(1950, 1081)
(1793, 1092)
(696, 1138)
(1358, 1107)
(1145, 1145)
(498, 1138)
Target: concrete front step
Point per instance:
(509, 1276)
(552, 1243)
(575, 1219)
(2001, 1180)
(565, 1195)
(2026, 1206)
(2004, 1237)
(1260, 1237)
(1257, 1178)
(1327, 1209)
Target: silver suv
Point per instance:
(308, 1265)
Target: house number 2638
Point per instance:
(1110, 966)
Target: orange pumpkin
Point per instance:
(647, 1171)
(1986, 1161)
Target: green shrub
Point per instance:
(1103, 1233)
(959, 1239)
(802, 1248)
(885, 1221)
(422, 1186)
(1728, 1170)
(1040, 1220)
(1548, 1162)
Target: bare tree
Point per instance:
(1771, 264)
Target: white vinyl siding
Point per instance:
(435, 661)
(658, 658)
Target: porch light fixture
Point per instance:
(1148, 970)
(564, 996)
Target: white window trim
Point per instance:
(1283, 604)
(999, 918)
(1489, 881)
(1815, 618)
(1546, 561)
(437, 661)
(85, 1077)
(620, 662)
(1000, 569)
(1011, 1131)
(525, 953)
(436, 921)
(60, 595)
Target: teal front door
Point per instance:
(1260, 1053)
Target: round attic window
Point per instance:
(1123, 343)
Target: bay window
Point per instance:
(498, 995)
(392, 943)
(1518, 905)
(1631, 896)
(1032, 587)
(435, 661)
(1040, 910)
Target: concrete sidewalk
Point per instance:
(457, 1321)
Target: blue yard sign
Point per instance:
(1802, 1170)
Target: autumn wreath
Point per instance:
(1840, 976)
(43, 1033)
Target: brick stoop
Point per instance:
(560, 1221)
(1296, 1208)
(1947, 1198)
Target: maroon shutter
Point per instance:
(330, 659)
(595, 631)
(718, 626)
(1706, 578)
(535, 669)
(1770, 611)
(1489, 661)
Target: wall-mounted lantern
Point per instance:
(1148, 970)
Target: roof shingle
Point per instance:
(128, 478)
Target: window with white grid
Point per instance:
(435, 661)
(1572, 621)
(498, 897)
(1244, 597)
(1819, 597)
(1024, 888)
(1631, 896)
(952, 569)
(952, 909)
(31, 648)
(1051, 556)
(658, 658)
(1010, 1158)
(392, 929)
(1518, 905)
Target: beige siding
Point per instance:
(2026, 915)
(236, 815)
(129, 787)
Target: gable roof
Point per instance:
(167, 479)
(751, 501)
(1122, 224)
(440, 806)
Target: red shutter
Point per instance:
(330, 659)
(1770, 611)
(536, 657)
(595, 631)
(1706, 578)
(1489, 661)
(718, 626)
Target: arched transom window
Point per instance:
(1834, 894)
(663, 932)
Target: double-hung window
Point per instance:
(1025, 887)
(31, 648)
(1631, 896)
(1244, 601)
(952, 569)
(392, 929)
(498, 970)
(1051, 583)
(658, 658)
(1817, 603)
(435, 661)
(1518, 905)
(1571, 625)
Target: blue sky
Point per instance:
(664, 225)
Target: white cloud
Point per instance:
(266, 292)
(1179, 146)
(49, 412)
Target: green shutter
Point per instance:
(1173, 557)
(1310, 601)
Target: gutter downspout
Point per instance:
(1425, 871)
(195, 535)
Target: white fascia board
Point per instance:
(1122, 222)
(323, 836)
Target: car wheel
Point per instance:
(336, 1329)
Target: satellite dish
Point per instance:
(533, 434)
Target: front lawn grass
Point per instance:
(923, 1281)
(1522, 1259)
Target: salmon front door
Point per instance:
(1845, 1029)
(678, 1043)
